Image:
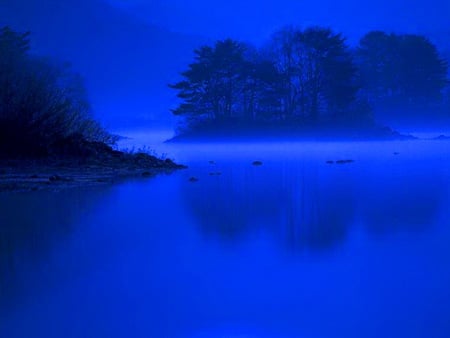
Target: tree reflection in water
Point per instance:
(311, 206)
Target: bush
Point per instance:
(42, 103)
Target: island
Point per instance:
(310, 84)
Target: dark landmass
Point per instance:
(285, 132)
(49, 138)
(441, 138)
(312, 84)
(88, 164)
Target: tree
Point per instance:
(318, 71)
(214, 82)
(330, 71)
(283, 49)
(13, 45)
(401, 68)
(262, 90)
(300, 75)
(41, 102)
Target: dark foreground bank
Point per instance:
(92, 164)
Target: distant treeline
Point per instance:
(310, 76)
(43, 104)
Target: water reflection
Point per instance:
(408, 201)
(312, 206)
(168, 258)
(33, 224)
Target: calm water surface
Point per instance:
(293, 248)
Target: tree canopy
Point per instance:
(300, 75)
(41, 102)
(317, 69)
(308, 76)
(401, 68)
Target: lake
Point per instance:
(293, 248)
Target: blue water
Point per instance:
(293, 248)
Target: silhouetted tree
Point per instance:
(262, 88)
(302, 74)
(311, 75)
(283, 51)
(214, 82)
(401, 68)
(446, 57)
(41, 103)
(318, 71)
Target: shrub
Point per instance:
(42, 103)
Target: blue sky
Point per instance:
(256, 19)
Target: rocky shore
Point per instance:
(78, 166)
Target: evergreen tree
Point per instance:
(318, 71)
(401, 68)
(213, 84)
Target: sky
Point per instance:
(129, 50)
(254, 20)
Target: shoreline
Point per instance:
(25, 175)
(280, 135)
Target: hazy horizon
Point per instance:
(256, 20)
(128, 51)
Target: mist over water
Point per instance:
(263, 235)
(293, 248)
